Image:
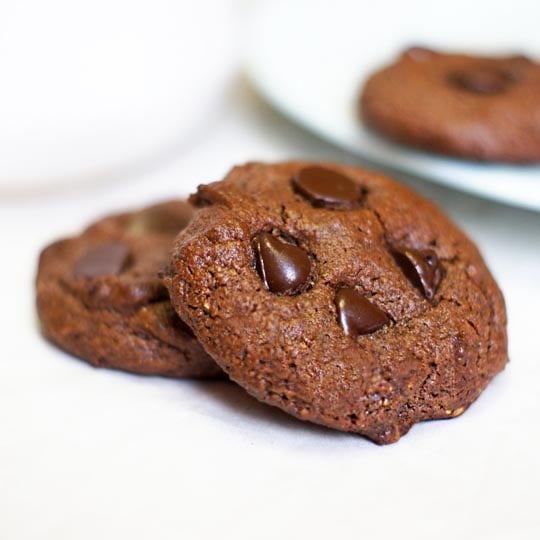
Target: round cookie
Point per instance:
(338, 295)
(100, 298)
(467, 106)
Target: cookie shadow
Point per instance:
(238, 405)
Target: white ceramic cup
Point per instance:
(88, 89)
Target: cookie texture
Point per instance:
(471, 107)
(393, 319)
(99, 296)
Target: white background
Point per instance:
(87, 453)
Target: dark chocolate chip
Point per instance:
(516, 67)
(323, 187)
(481, 81)
(520, 59)
(422, 268)
(165, 218)
(419, 54)
(357, 315)
(104, 260)
(284, 268)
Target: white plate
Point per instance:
(309, 60)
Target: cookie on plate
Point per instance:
(100, 298)
(338, 295)
(481, 108)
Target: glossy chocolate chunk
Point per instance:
(104, 260)
(482, 81)
(284, 268)
(164, 218)
(419, 54)
(357, 315)
(324, 187)
(516, 66)
(422, 268)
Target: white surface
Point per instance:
(89, 89)
(90, 454)
(309, 60)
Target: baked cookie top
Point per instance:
(99, 295)
(482, 108)
(338, 295)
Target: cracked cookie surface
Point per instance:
(481, 108)
(353, 303)
(99, 296)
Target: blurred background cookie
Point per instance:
(475, 107)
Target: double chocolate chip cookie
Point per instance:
(467, 106)
(339, 296)
(99, 296)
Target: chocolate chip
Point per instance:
(357, 315)
(516, 67)
(104, 260)
(520, 59)
(481, 81)
(284, 268)
(323, 187)
(164, 218)
(419, 54)
(422, 268)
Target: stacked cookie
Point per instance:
(332, 292)
(99, 295)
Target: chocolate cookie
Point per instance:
(100, 298)
(338, 295)
(467, 106)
